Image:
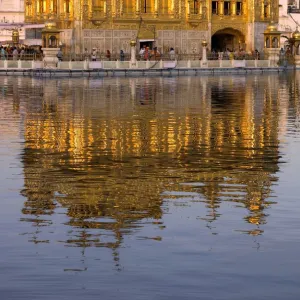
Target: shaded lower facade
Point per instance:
(183, 41)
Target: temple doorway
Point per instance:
(147, 43)
(228, 38)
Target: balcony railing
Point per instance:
(166, 57)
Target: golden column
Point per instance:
(221, 7)
(137, 7)
(244, 8)
(233, 7)
(156, 6)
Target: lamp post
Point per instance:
(15, 36)
(204, 63)
(296, 46)
(271, 43)
(133, 62)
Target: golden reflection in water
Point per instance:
(106, 150)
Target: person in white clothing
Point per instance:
(172, 54)
(94, 54)
(142, 52)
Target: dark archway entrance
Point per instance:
(228, 38)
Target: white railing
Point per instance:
(115, 65)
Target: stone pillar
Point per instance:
(204, 63)
(50, 57)
(297, 61)
(273, 56)
(133, 62)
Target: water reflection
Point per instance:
(112, 154)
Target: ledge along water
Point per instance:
(113, 68)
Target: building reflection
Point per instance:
(104, 151)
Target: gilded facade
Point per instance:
(181, 24)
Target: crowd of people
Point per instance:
(233, 54)
(145, 53)
(16, 53)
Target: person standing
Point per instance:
(22, 54)
(86, 54)
(15, 54)
(257, 54)
(146, 53)
(142, 52)
(108, 55)
(94, 54)
(122, 55)
(60, 55)
(3, 53)
(155, 54)
(172, 54)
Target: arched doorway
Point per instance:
(228, 38)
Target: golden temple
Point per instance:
(180, 24)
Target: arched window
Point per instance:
(239, 8)
(266, 10)
(267, 42)
(52, 42)
(214, 7)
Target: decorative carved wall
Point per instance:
(112, 40)
(182, 41)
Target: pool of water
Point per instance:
(150, 188)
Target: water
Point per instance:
(150, 188)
